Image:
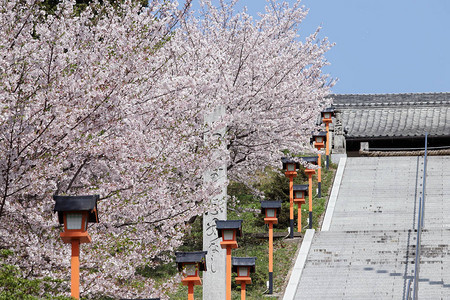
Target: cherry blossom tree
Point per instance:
(113, 103)
(270, 81)
(89, 105)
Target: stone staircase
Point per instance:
(369, 250)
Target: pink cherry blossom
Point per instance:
(113, 103)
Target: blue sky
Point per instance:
(383, 46)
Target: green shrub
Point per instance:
(13, 285)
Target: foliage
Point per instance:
(267, 78)
(88, 106)
(113, 103)
(14, 285)
(251, 244)
(50, 6)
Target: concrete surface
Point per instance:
(369, 250)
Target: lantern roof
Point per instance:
(328, 110)
(191, 257)
(301, 187)
(243, 262)
(287, 160)
(320, 134)
(229, 224)
(77, 203)
(141, 299)
(311, 159)
(270, 204)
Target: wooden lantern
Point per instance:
(271, 210)
(319, 140)
(312, 160)
(300, 193)
(190, 263)
(290, 166)
(243, 266)
(229, 230)
(75, 212)
(327, 114)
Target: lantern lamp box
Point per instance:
(314, 160)
(142, 299)
(271, 210)
(327, 114)
(243, 266)
(319, 139)
(300, 193)
(289, 165)
(75, 212)
(229, 230)
(311, 159)
(192, 263)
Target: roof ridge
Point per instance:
(380, 94)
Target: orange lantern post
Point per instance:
(271, 210)
(75, 212)
(327, 114)
(319, 141)
(310, 172)
(243, 266)
(190, 263)
(228, 231)
(290, 167)
(300, 192)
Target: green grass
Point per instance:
(247, 207)
(14, 285)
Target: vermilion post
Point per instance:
(75, 270)
(271, 210)
(310, 173)
(243, 291)
(228, 274)
(319, 142)
(243, 266)
(75, 212)
(319, 176)
(270, 258)
(190, 264)
(327, 151)
(228, 230)
(299, 218)
(290, 167)
(191, 291)
(291, 205)
(299, 199)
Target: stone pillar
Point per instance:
(214, 284)
(338, 138)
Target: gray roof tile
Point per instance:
(391, 115)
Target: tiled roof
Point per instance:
(394, 115)
(270, 204)
(229, 224)
(430, 99)
(310, 159)
(191, 257)
(243, 262)
(300, 187)
(287, 160)
(77, 203)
